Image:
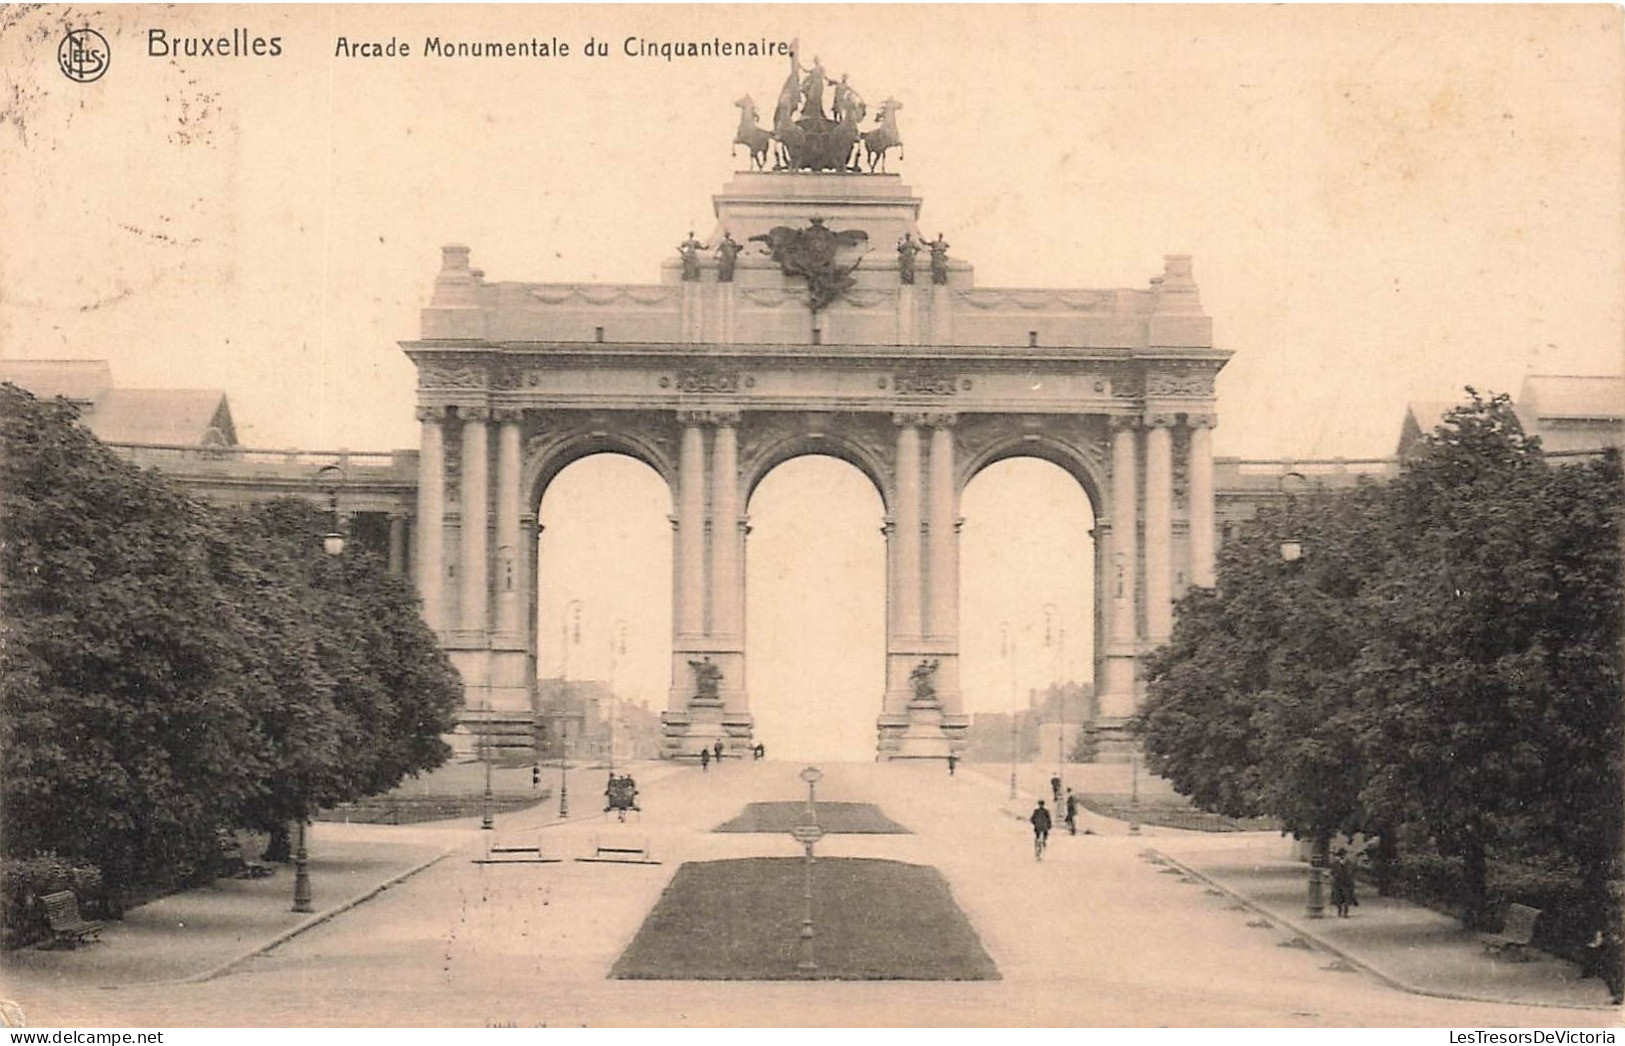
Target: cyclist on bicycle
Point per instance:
(1041, 824)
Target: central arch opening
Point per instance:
(1027, 611)
(815, 620)
(603, 599)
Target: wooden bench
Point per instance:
(236, 863)
(1517, 933)
(67, 926)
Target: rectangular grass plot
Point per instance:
(833, 818)
(875, 920)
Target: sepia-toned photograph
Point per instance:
(768, 516)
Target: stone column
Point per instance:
(1159, 527)
(943, 525)
(725, 580)
(1117, 696)
(431, 527)
(397, 542)
(509, 575)
(1202, 526)
(690, 596)
(906, 537)
(530, 533)
(476, 493)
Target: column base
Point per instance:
(505, 737)
(1112, 740)
(924, 731)
(702, 725)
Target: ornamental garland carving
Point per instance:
(447, 376)
(708, 379)
(924, 383)
(593, 294)
(1159, 384)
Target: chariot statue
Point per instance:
(807, 138)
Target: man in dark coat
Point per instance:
(1343, 883)
(1041, 824)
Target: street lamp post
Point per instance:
(329, 478)
(1055, 640)
(301, 872)
(1007, 648)
(812, 775)
(1134, 792)
(807, 835)
(1292, 552)
(572, 634)
(617, 649)
(488, 803)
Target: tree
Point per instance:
(168, 671)
(364, 693)
(1492, 670)
(1444, 660)
(1248, 710)
(125, 740)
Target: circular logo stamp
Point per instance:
(83, 55)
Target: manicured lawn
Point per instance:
(1170, 811)
(833, 818)
(738, 920)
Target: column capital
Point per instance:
(1202, 421)
(693, 417)
(508, 415)
(528, 519)
(1160, 421)
(396, 514)
(906, 419)
(476, 412)
(942, 421)
(1123, 422)
(432, 412)
(725, 418)
(888, 526)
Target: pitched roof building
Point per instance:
(167, 417)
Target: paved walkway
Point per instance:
(1099, 933)
(1405, 944)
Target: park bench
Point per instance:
(67, 925)
(236, 863)
(1517, 933)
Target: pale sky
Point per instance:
(1383, 203)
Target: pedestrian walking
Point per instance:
(1055, 788)
(1071, 813)
(1041, 824)
(1343, 883)
(535, 776)
(953, 761)
(705, 759)
(716, 750)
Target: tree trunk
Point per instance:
(280, 847)
(1386, 861)
(1474, 882)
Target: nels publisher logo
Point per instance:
(83, 55)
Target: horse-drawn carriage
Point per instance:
(621, 795)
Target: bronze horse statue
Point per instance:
(752, 137)
(882, 138)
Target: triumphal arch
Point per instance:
(815, 317)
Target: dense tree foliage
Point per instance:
(1443, 659)
(168, 671)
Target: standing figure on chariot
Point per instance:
(812, 90)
